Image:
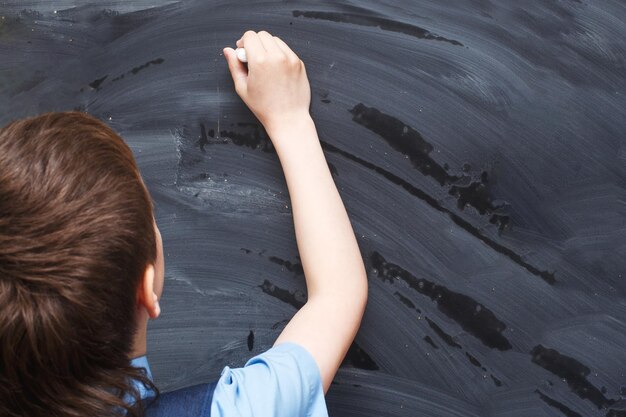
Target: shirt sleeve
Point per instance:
(282, 381)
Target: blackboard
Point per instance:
(478, 146)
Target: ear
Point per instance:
(146, 297)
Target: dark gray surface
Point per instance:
(479, 149)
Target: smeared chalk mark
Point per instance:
(250, 341)
(157, 61)
(410, 143)
(138, 68)
(295, 298)
(431, 201)
(382, 23)
(428, 340)
(95, 84)
(472, 316)
(554, 403)
(296, 268)
(572, 372)
(442, 335)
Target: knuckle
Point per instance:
(264, 32)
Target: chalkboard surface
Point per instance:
(479, 147)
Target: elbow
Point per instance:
(359, 291)
(350, 294)
(361, 294)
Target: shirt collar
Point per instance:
(141, 362)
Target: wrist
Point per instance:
(288, 126)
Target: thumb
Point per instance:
(237, 69)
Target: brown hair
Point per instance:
(76, 234)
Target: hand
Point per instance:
(274, 85)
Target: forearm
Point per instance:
(279, 95)
(333, 267)
(330, 255)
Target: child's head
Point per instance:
(81, 266)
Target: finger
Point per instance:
(237, 70)
(286, 49)
(254, 47)
(270, 44)
(239, 43)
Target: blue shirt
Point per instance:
(282, 381)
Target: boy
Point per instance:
(81, 265)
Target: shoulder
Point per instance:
(282, 381)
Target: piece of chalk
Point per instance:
(241, 54)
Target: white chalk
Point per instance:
(241, 54)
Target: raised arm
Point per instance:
(275, 87)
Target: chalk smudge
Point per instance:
(471, 315)
(381, 22)
(572, 372)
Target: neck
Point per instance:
(139, 343)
